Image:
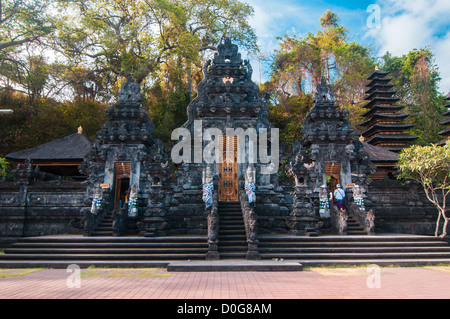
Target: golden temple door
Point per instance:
(122, 183)
(228, 170)
(333, 170)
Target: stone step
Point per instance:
(233, 255)
(356, 233)
(368, 250)
(110, 251)
(235, 238)
(79, 239)
(231, 242)
(107, 257)
(350, 256)
(59, 251)
(231, 227)
(102, 233)
(377, 238)
(423, 244)
(233, 249)
(226, 232)
(234, 265)
(63, 264)
(103, 228)
(90, 245)
(228, 216)
(400, 262)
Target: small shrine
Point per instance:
(60, 157)
(123, 165)
(328, 155)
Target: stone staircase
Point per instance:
(354, 227)
(104, 228)
(61, 251)
(401, 250)
(232, 235)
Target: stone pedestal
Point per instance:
(252, 253)
(213, 253)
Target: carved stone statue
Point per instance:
(324, 209)
(250, 177)
(130, 91)
(133, 202)
(343, 217)
(358, 196)
(208, 187)
(324, 92)
(97, 200)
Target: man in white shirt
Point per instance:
(339, 195)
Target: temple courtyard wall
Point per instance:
(49, 208)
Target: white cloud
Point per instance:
(276, 18)
(408, 25)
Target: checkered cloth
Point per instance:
(133, 208)
(208, 194)
(250, 191)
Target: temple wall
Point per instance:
(46, 208)
(401, 208)
(273, 208)
(185, 212)
(40, 209)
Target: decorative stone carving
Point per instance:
(97, 200)
(133, 202)
(327, 138)
(208, 187)
(250, 188)
(130, 91)
(126, 137)
(342, 220)
(324, 92)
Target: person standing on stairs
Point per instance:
(339, 195)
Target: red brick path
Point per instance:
(395, 283)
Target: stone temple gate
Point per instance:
(222, 178)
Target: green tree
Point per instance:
(416, 76)
(430, 166)
(44, 119)
(23, 23)
(4, 167)
(121, 37)
(301, 62)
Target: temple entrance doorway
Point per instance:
(122, 183)
(332, 173)
(228, 169)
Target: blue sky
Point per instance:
(403, 26)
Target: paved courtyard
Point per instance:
(311, 283)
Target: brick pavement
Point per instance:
(311, 283)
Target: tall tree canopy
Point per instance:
(416, 76)
(119, 37)
(59, 55)
(301, 62)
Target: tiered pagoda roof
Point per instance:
(446, 131)
(227, 94)
(383, 126)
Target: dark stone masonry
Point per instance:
(146, 190)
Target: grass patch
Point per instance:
(440, 267)
(93, 271)
(349, 266)
(18, 272)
